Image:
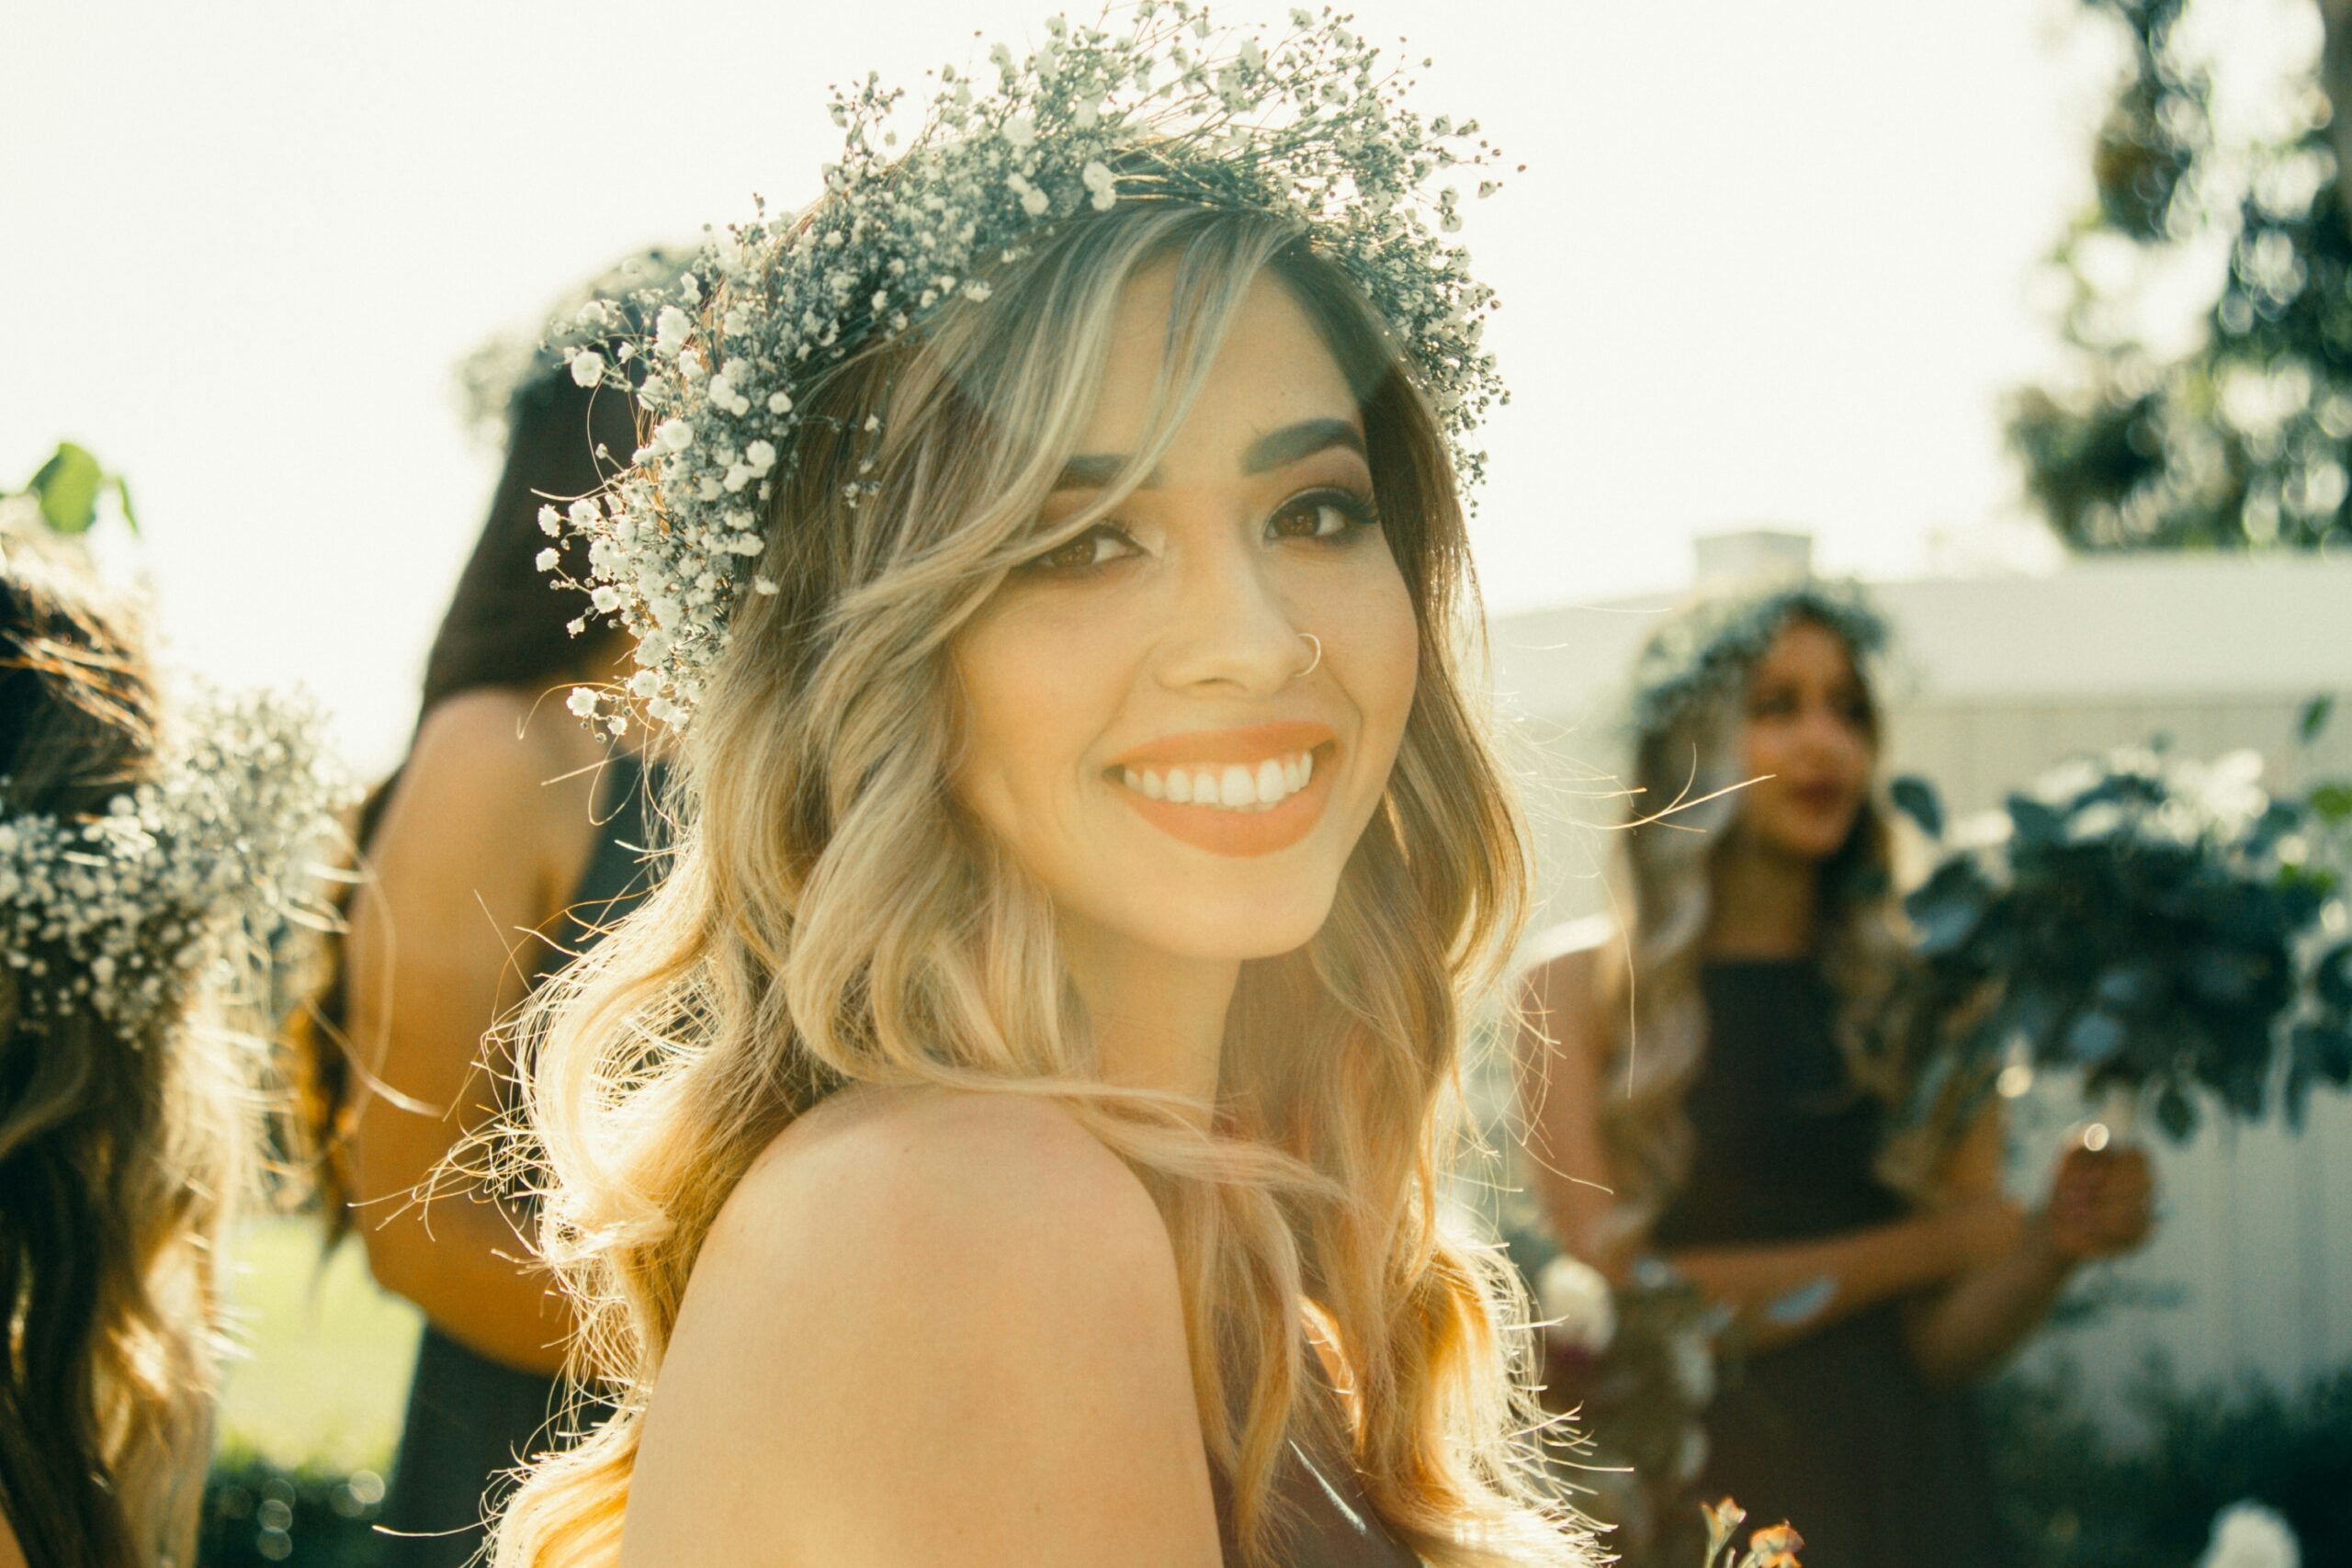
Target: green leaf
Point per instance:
(68, 488)
(2094, 1037)
(2333, 801)
(1916, 798)
(2317, 713)
(2175, 1115)
(122, 496)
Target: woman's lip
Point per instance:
(1241, 833)
(1254, 743)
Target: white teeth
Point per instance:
(1232, 786)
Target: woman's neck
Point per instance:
(1764, 905)
(1159, 1018)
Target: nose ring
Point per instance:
(1316, 662)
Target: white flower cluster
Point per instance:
(1312, 125)
(124, 908)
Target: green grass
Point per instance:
(326, 1365)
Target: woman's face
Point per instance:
(1808, 726)
(1147, 725)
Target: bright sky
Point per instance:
(1768, 264)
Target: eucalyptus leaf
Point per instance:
(2037, 824)
(2175, 1113)
(2317, 713)
(2094, 1037)
(1918, 799)
(2332, 978)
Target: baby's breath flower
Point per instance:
(672, 329)
(126, 910)
(547, 558)
(1104, 186)
(587, 367)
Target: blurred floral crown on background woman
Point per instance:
(1309, 126)
(1706, 652)
(126, 909)
(123, 910)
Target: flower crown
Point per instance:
(1705, 652)
(1311, 126)
(119, 910)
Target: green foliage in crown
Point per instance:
(1149, 102)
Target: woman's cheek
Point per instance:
(1382, 654)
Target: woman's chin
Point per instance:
(1227, 929)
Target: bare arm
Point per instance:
(2096, 1208)
(1784, 1290)
(460, 874)
(1561, 1039)
(951, 1335)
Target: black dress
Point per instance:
(470, 1418)
(1332, 1523)
(1836, 1432)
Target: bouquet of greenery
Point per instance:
(2161, 926)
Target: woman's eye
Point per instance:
(1321, 515)
(1104, 543)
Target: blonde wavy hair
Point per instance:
(1663, 890)
(831, 918)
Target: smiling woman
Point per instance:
(1012, 1133)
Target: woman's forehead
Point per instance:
(1271, 371)
(1803, 646)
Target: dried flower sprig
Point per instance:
(1151, 101)
(122, 910)
(1775, 1546)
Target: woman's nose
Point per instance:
(1230, 626)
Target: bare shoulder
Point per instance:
(925, 1327)
(913, 1148)
(491, 774)
(911, 1190)
(480, 755)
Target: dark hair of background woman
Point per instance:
(507, 624)
(83, 1100)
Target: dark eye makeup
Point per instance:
(1328, 515)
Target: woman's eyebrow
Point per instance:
(1095, 471)
(1293, 442)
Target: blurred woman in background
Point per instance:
(1726, 1080)
(497, 850)
(145, 856)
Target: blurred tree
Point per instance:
(2241, 437)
